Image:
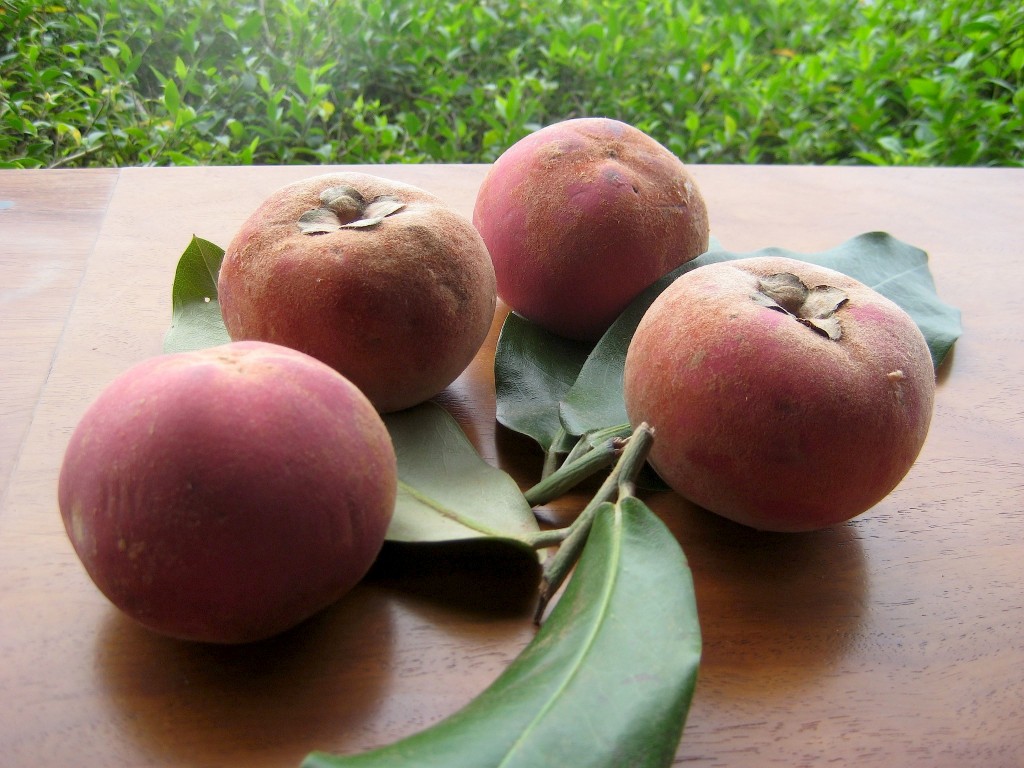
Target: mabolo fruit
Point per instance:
(582, 215)
(228, 494)
(783, 396)
(379, 279)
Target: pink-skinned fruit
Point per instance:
(228, 494)
(783, 396)
(582, 215)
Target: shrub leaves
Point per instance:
(438, 87)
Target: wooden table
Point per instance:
(894, 640)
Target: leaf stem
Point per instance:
(571, 473)
(619, 481)
(551, 458)
(633, 461)
(581, 447)
(545, 539)
(591, 439)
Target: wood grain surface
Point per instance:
(895, 639)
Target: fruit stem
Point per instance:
(621, 481)
(573, 472)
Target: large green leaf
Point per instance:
(594, 401)
(607, 681)
(196, 322)
(533, 370)
(895, 269)
(447, 492)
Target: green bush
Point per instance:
(916, 82)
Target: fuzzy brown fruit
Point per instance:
(783, 396)
(228, 494)
(379, 279)
(579, 217)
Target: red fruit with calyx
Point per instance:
(381, 280)
(783, 395)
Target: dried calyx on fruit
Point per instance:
(343, 207)
(381, 280)
(813, 307)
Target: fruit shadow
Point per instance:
(777, 610)
(946, 367)
(276, 700)
(483, 577)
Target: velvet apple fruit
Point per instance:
(228, 494)
(379, 279)
(783, 396)
(582, 215)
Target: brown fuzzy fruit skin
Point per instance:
(400, 308)
(226, 495)
(579, 217)
(765, 421)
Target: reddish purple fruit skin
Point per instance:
(766, 422)
(228, 494)
(579, 217)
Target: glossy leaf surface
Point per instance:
(196, 322)
(594, 401)
(447, 492)
(606, 682)
(533, 370)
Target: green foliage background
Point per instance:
(144, 82)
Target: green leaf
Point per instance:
(893, 268)
(196, 322)
(607, 680)
(303, 80)
(1017, 58)
(920, 86)
(172, 98)
(893, 144)
(594, 401)
(533, 370)
(111, 66)
(447, 492)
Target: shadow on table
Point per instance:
(185, 703)
(481, 576)
(776, 609)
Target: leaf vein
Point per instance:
(899, 275)
(588, 644)
(449, 513)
